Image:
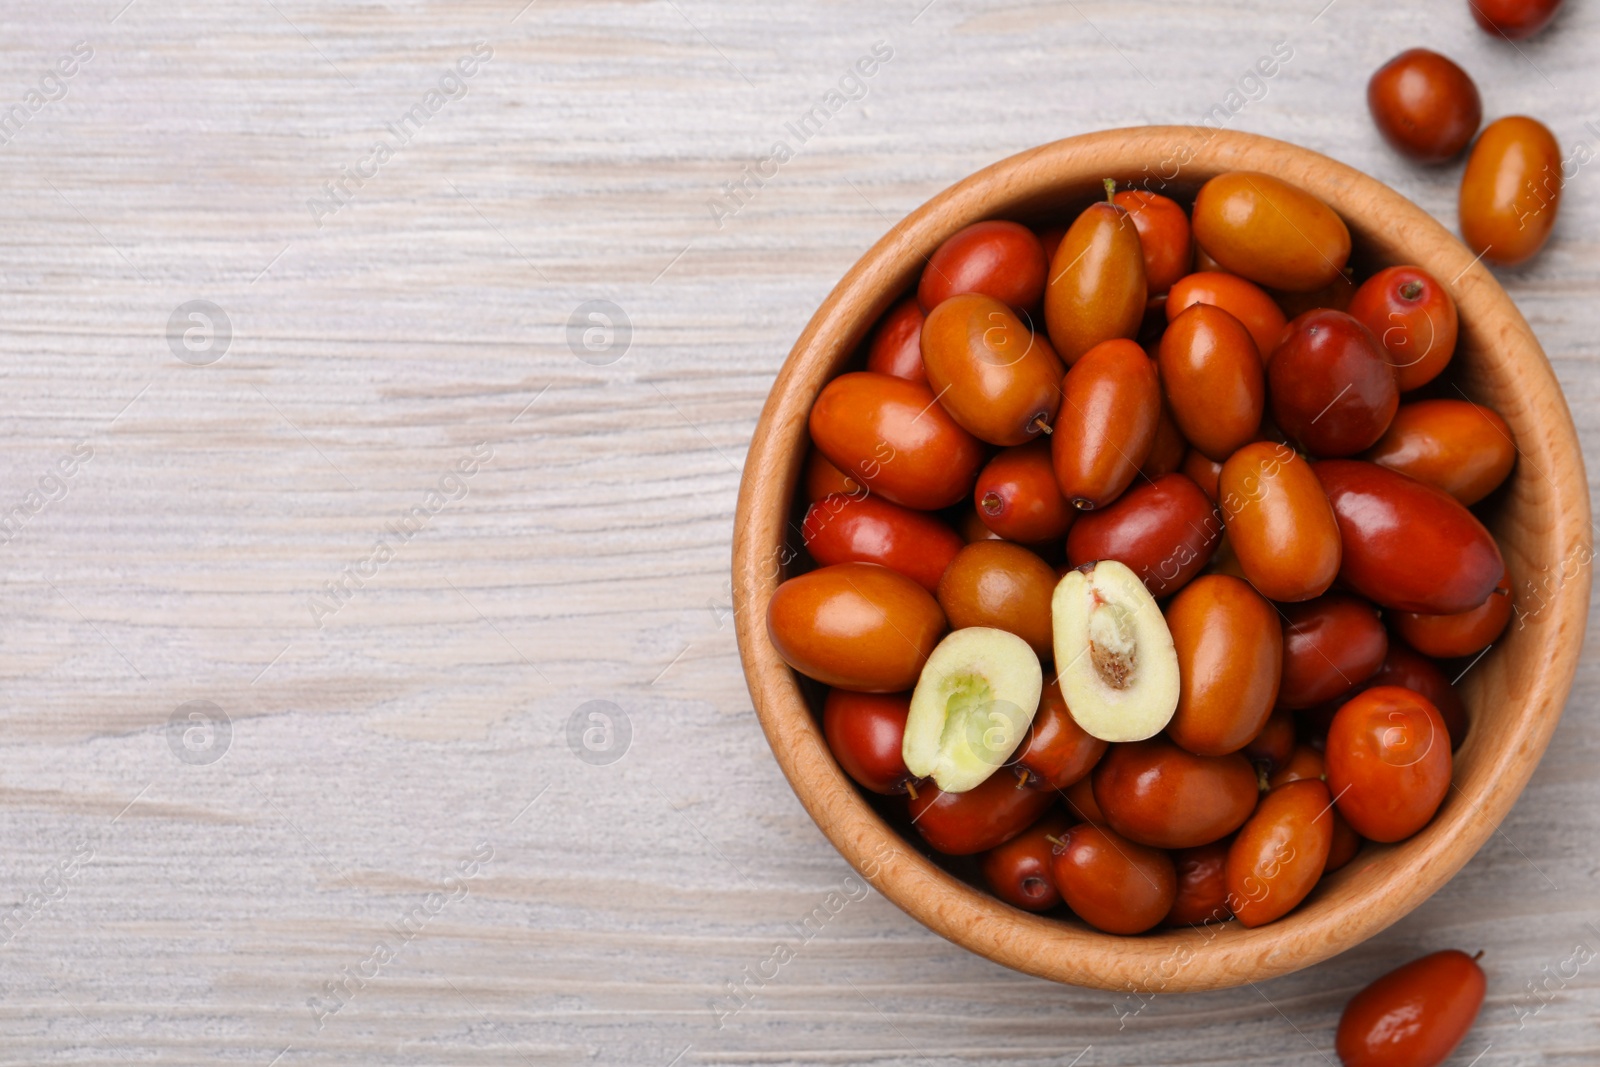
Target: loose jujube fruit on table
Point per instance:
(1455, 445)
(1464, 634)
(1113, 655)
(1057, 751)
(864, 529)
(1017, 495)
(999, 259)
(1409, 669)
(998, 380)
(1096, 289)
(864, 733)
(1413, 317)
(1019, 871)
(1514, 19)
(1415, 1015)
(1110, 406)
(1405, 545)
(1164, 531)
(896, 346)
(855, 626)
(1274, 744)
(1269, 231)
(1333, 391)
(1425, 106)
(1230, 653)
(822, 479)
(1211, 375)
(1280, 523)
(999, 584)
(1279, 854)
(893, 437)
(961, 824)
(1164, 236)
(971, 708)
(1244, 300)
(1111, 883)
(1330, 645)
(1202, 894)
(1388, 762)
(1167, 449)
(1511, 190)
(1159, 795)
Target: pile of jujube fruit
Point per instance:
(1145, 555)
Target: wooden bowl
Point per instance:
(1514, 695)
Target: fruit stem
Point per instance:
(1054, 840)
(1478, 957)
(911, 787)
(1111, 189)
(1411, 290)
(1040, 424)
(1022, 779)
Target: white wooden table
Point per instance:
(370, 841)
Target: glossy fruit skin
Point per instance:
(855, 626)
(1280, 523)
(1244, 300)
(1306, 764)
(1406, 545)
(1202, 894)
(1165, 531)
(1019, 871)
(1346, 843)
(1270, 232)
(1466, 634)
(1110, 406)
(1167, 450)
(999, 584)
(1111, 883)
(1017, 496)
(1057, 751)
(1330, 645)
(1413, 317)
(1230, 653)
(989, 371)
(1415, 1015)
(864, 733)
(1425, 106)
(1511, 190)
(1159, 795)
(1080, 803)
(1096, 289)
(1388, 762)
(1333, 391)
(864, 529)
(896, 345)
(1211, 374)
(1406, 667)
(1455, 445)
(1514, 19)
(1279, 854)
(1204, 472)
(822, 479)
(1164, 236)
(999, 259)
(1274, 744)
(893, 437)
(961, 824)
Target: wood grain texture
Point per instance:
(588, 559)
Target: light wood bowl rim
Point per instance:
(1544, 523)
